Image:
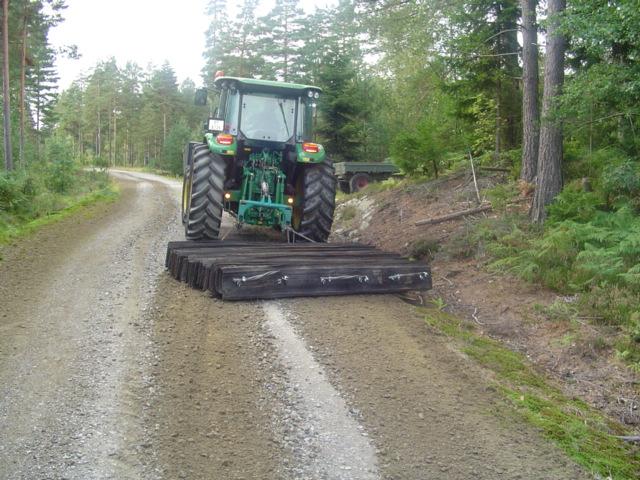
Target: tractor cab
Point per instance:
(265, 111)
(262, 114)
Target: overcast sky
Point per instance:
(144, 31)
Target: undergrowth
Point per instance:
(393, 182)
(584, 434)
(589, 247)
(46, 192)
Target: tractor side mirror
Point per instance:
(215, 125)
(201, 96)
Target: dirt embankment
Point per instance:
(501, 307)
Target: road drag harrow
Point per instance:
(259, 270)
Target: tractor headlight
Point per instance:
(310, 93)
(316, 95)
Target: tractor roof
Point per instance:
(266, 86)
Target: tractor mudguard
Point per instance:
(218, 148)
(310, 157)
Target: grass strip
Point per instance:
(579, 430)
(20, 228)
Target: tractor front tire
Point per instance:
(202, 194)
(316, 194)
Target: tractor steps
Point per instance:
(235, 270)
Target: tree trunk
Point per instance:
(38, 107)
(23, 68)
(109, 139)
(115, 139)
(164, 127)
(498, 139)
(530, 110)
(8, 156)
(286, 50)
(286, 45)
(99, 138)
(549, 179)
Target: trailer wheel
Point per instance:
(202, 195)
(315, 202)
(359, 181)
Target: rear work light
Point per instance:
(224, 139)
(310, 147)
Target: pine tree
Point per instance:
(483, 52)
(549, 178)
(530, 110)
(6, 98)
(281, 39)
(214, 50)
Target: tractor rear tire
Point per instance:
(316, 192)
(203, 193)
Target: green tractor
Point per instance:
(259, 162)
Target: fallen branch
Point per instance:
(494, 169)
(631, 438)
(452, 216)
(445, 278)
(475, 310)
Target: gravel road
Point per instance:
(109, 369)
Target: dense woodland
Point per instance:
(548, 89)
(420, 82)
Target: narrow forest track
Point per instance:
(111, 369)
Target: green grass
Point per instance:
(580, 431)
(19, 228)
(395, 183)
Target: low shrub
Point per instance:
(424, 248)
(61, 168)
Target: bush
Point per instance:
(62, 167)
(575, 204)
(621, 183)
(421, 151)
(18, 190)
(502, 194)
(424, 248)
(498, 237)
(173, 148)
(580, 163)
